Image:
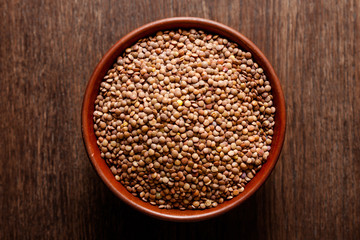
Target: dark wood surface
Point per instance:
(48, 188)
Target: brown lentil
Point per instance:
(184, 119)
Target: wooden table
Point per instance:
(48, 188)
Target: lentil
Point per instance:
(184, 119)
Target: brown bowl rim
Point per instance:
(93, 87)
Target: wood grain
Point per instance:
(48, 189)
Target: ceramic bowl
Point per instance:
(106, 63)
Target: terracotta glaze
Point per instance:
(106, 63)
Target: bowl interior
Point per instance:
(106, 63)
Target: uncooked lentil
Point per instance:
(184, 119)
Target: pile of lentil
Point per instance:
(184, 119)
